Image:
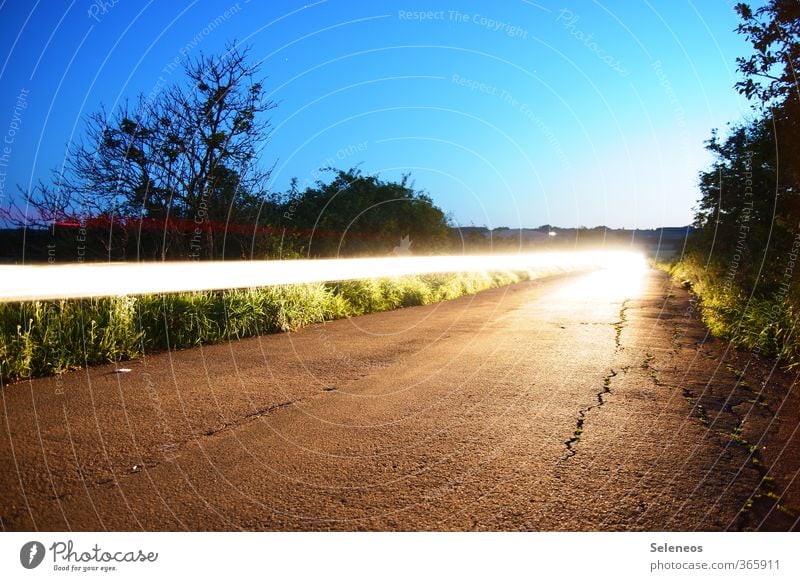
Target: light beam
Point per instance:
(72, 281)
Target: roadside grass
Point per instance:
(51, 337)
(765, 325)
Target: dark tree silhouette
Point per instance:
(188, 155)
(356, 214)
(749, 211)
(772, 76)
(771, 72)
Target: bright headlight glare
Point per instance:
(24, 283)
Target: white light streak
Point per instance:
(47, 282)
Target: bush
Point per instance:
(764, 325)
(51, 337)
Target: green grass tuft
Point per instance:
(761, 324)
(49, 337)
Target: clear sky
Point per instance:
(508, 113)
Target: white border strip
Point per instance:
(402, 556)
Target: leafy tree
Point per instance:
(744, 211)
(772, 76)
(177, 175)
(356, 214)
(188, 155)
(774, 31)
(749, 210)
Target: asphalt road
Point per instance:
(587, 402)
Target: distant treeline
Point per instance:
(101, 240)
(351, 215)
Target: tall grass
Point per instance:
(765, 325)
(51, 337)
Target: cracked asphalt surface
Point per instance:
(580, 403)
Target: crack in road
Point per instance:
(149, 463)
(765, 494)
(576, 435)
(257, 413)
(618, 326)
(729, 423)
(766, 491)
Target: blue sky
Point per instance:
(510, 113)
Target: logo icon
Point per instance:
(31, 554)
(405, 246)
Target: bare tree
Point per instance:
(186, 156)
